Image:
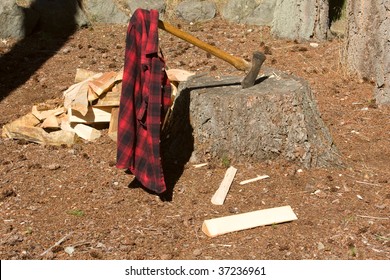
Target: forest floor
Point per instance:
(73, 203)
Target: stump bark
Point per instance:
(213, 120)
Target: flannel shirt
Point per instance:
(145, 99)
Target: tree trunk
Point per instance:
(301, 19)
(367, 51)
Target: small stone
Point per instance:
(314, 45)
(197, 252)
(54, 167)
(320, 246)
(166, 257)
(69, 250)
(66, 50)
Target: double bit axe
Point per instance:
(253, 68)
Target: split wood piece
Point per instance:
(222, 225)
(113, 128)
(83, 74)
(179, 75)
(119, 76)
(42, 115)
(39, 135)
(51, 122)
(28, 120)
(220, 195)
(254, 179)
(104, 83)
(111, 98)
(91, 95)
(117, 87)
(76, 96)
(93, 115)
(87, 132)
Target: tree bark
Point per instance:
(301, 19)
(367, 50)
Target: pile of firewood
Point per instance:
(93, 100)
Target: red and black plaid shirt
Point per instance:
(145, 98)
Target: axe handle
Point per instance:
(237, 62)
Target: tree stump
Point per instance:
(277, 118)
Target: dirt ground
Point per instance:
(73, 203)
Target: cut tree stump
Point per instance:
(277, 118)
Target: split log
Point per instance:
(222, 225)
(113, 128)
(44, 114)
(93, 115)
(103, 83)
(21, 129)
(87, 132)
(179, 75)
(51, 122)
(111, 98)
(76, 96)
(83, 74)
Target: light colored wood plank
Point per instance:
(93, 115)
(220, 195)
(87, 132)
(222, 225)
(113, 128)
(254, 179)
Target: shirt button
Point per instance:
(163, 69)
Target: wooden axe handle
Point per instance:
(237, 62)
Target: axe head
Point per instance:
(250, 79)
